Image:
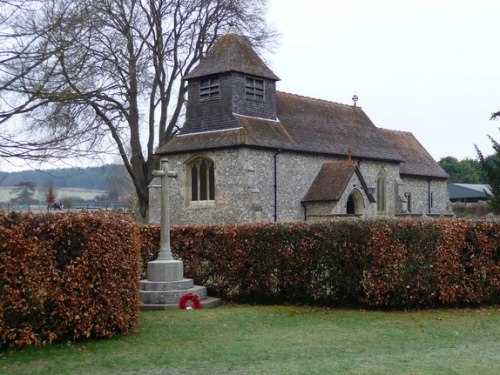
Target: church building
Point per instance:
(249, 153)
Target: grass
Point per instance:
(281, 340)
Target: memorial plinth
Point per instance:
(166, 284)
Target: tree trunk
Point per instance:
(143, 204)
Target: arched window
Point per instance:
(202, 178)
(381, 193)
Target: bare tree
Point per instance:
(101, 75)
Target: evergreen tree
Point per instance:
(25, 191)
(464, 171)
(491, 168)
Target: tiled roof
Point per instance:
(330, 183)
(417, 161)
(232, 53)
(253, 132)
(265, 133)
(332, 180)
(332, 128)
(202, 141)
(305, 125)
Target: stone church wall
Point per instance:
(427, 195)
(370, 171)
(231, 204)
(244, 192)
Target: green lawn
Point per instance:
(282, 340)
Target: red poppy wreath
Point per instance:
(189, 301)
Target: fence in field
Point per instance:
(42, 207)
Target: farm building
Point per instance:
(469, 192)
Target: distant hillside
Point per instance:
(97, 178)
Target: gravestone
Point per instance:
(166, 284)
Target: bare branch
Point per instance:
(81, 76)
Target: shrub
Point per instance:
(270, 263)
(379, 263)
(67, 277)
(401, 257)
(468, 262)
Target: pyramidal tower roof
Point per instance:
(232, 53)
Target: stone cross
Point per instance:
(165, 251)
(166, 283)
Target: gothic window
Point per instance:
(209, 88)
(381, 193)
(202, 175)
(254, 88)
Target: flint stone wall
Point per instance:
(245, 193)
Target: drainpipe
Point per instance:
(278, 151)
(429, 195)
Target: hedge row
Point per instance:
(66, 277)
(405, 263)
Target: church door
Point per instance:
(351, 205)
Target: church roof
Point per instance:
(330, 183)
(304, 125)
(332, 180)
(327, 127)
(417, 161)
(232, 53)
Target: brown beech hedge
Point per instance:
(67, 277)
(387, 264)
(73, 276)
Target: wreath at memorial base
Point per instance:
(189, 301)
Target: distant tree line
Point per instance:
(36, 187)
(99, 178)
(467, 171)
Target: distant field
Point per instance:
(7, 193)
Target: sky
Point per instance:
(431, 67)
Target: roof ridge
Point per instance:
(316, 99)
(208, 131)
(232, 52)
(397, 130)
(255, 117)
(343, 162)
